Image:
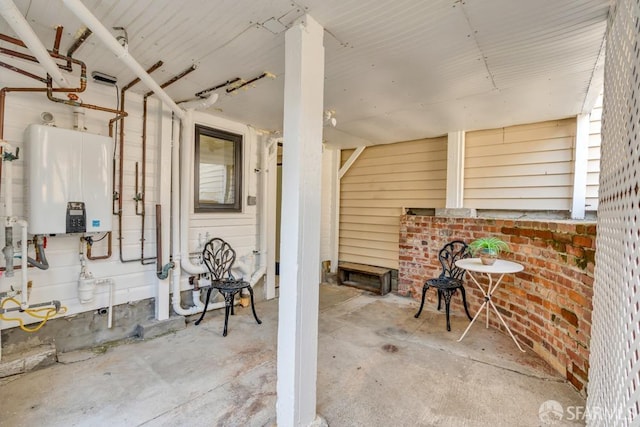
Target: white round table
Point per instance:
(499, 267)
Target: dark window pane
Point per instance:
(218, 170)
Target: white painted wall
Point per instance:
(240, 229)
(329, 168)
(593, 165)
(133, 281)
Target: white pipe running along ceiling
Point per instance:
(14, 18)
(394, 69)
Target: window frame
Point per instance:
(237, 139)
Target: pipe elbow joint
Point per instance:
(164, 273)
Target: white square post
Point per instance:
(300, 230)
(455, 170)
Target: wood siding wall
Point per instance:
(520, 167)
(383, 180)
(133, 281)
(593, 167)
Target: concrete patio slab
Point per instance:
(377, 366)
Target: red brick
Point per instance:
(583, 241)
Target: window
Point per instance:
(218, 171)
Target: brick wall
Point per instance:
(547, 306)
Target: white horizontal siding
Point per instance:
(382, 181)
(133, 281)
(593, 167)
(526, 167)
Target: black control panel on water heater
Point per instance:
(76, 217)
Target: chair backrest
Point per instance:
(449, 254)
(219, 257)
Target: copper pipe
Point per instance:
(23, 72)
(56, 42)
(109, 246)
(137, 190)
(4, 90)
(158, 239)
(173, 79)
(76, 44)
(127, 87)
(79, 104)
(144, 156)
(12, 40)
(233, 89)
(221, 85)
(142, 259)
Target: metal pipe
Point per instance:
(140, 197)
(78, 103)
(23, 72)
(40, 261)
(221, 85)
(56, 41)
(142, 259)
(109, 246)
(16, 21)
(117, 194)
(24, 302)
(261, 76)
(162, 271)
(76, 44)
(79, 9)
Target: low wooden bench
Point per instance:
(348, 269)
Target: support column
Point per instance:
(300, 233)
(455, 170)
(270, 162)
(580, 163)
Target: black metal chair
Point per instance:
(450, 280)
(219, 257)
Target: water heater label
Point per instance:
(95, 223)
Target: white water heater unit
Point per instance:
(69, 188)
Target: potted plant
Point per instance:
(488, 249)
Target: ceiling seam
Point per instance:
(473, 34)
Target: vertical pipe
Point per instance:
(24, 302)
(114, 46)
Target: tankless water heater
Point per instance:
(69, 188)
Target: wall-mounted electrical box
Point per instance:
(69, 188)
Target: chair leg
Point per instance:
(253, 307)
(228, 306)
(439, 298)
(424, 292)
(233, 299)
(447, 300)
(204, 311)
(464, 302)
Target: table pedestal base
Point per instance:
(487, 302)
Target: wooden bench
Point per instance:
(348, 269)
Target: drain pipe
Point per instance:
(180, 210)
(16, 21)
(84, 15)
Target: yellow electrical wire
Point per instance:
(33, 312)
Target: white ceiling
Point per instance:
(395, 69)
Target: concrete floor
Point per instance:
(377, 366)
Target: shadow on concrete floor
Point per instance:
(377, 366)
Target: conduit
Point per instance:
(16, 21)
